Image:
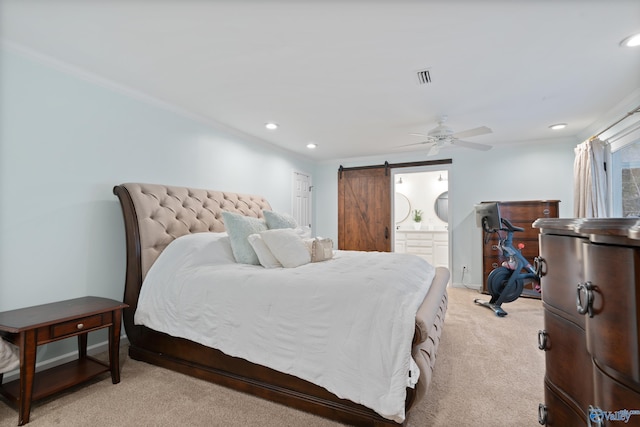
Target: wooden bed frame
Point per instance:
(154, 215)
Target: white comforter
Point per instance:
(345, 324)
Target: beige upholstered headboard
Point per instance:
(163, 213)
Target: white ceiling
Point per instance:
(342, 74)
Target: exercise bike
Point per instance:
(505, 283)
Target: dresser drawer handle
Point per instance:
(546, 211)
(587, 289)
(494, 265)
(540, 266)
(494, 247)
(542, 414)
(80, 325)
(542, 340)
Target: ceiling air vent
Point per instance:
(424, 76)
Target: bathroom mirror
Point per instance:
(402, 207)
(441, 206)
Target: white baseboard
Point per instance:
(59, 360)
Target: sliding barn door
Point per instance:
(364, 209)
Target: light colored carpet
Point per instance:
(489, 371)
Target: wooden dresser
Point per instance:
(521, 214)
(591, 337)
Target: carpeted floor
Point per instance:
(489, 372)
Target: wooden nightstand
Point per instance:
(32, 326)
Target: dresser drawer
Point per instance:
(79, 325)
(558, 413)
(562, 271)
(419, 239)
(568, 364)
(612, 396)
(525, 211)
(423, 250)
(613, 331)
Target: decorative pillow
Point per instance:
(287, 247)
(239, 227)
(303, 231)
(263, 252)
(321, 250)
(278, 220)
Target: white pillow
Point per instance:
(277, 220)
(304, 231)
(239, 227)
(287, 247)
(263, 252)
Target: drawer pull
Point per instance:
(546, 211)
(587, 288)
(540, 266)
(494, 265)
(80, 325)
(542, 340)
(494, 247)
(542, 414)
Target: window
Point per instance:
(625, 173)
(626, 165)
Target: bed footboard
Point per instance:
(429, 324)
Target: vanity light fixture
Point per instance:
(631, 41)
(271, 126)
(558, 126)
(312, 145)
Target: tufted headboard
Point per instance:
(155, 215)
(163, 213)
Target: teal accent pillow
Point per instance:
(278, 220)
(239, 227)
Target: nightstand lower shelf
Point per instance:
(58, 378)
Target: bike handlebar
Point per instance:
(510, 227)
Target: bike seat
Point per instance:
(510, 227)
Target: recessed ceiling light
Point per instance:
(558, 126)
(631, 41)
(312, 145)
(271, 126)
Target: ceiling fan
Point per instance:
(443, 135)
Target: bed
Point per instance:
(157, 217)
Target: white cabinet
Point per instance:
(430, 245)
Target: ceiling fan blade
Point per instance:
(482, 130)
(473, 145)
(416, 143)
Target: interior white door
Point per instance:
(302, 198)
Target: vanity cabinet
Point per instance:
(430, 245)
(521, 214)
(591, 337)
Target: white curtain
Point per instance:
(590, 180)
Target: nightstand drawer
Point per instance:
(79, 325)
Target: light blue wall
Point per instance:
(523, 172)
(65, 142)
